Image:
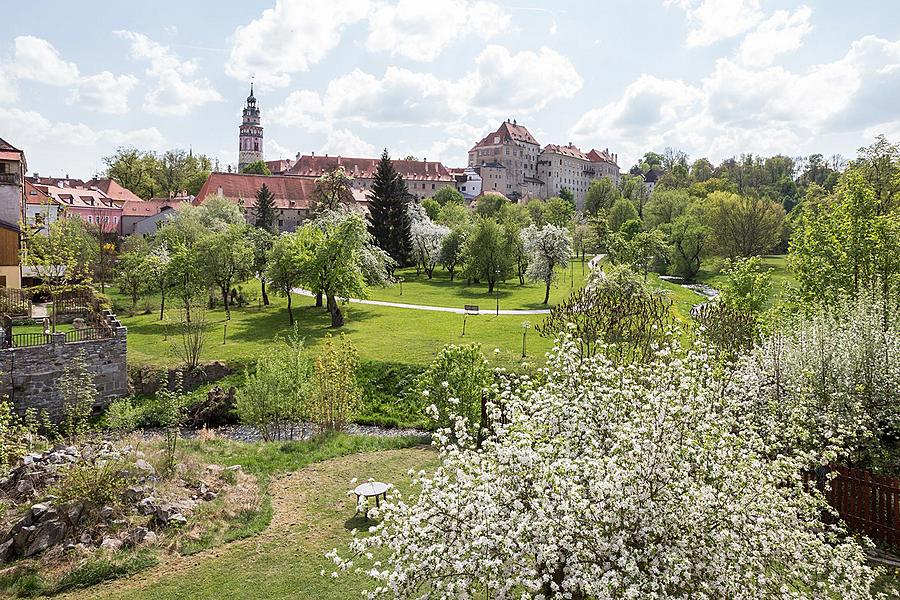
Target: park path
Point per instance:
(448, 309)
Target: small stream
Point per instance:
(707, 291)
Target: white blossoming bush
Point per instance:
(610, 481)
(826, 388)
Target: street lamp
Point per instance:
(525, 327)
(497, 291)
(400, 279)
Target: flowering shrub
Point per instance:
(611, 481)
(454, 384)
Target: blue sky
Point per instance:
(712, 77)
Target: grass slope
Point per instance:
(312, 515)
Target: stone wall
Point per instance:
(28, 376)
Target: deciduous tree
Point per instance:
(548, 248)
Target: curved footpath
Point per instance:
(459, 311)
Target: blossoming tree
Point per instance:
(610, 481)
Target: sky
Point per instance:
(714, 78)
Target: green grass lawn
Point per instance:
(782, 278)
(312, 515)
(440, 291)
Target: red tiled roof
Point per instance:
(147, 208)
(114, 189)
(53, 181)
(40, 195)
(600, 156)
(508, 131)
(289, 192)
(568, 150)
(80, 197)
(410, 170)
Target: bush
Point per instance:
(455, 384)
(123, 416)
(335, 395)
(388, 394)
(274, 398)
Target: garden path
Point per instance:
(486, 310)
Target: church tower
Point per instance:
(251, 137)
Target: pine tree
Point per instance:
(388, 219)
(265, 209)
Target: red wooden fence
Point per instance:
(868, 503)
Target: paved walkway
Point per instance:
(459, 311)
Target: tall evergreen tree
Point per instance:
(265, 209)
(388, 219)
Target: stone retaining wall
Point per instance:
(28, 376)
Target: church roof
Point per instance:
(410, 170)
(289, 192)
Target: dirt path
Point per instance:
(312, 513)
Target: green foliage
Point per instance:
(333, 189)
(449, 195)
(264, 206)
(147, 174)
(18, 434)
(387, 394)
(274, 397)
(558, 211)
(131, 275)
(335, 395)
(284, 264)
(601, 194)
(621, 212)
(432, 208)
(452, 250)
(225, 258)
(746, 225)
(103, 568)
(170, 407)
(849, 245)
(454, 216)
(455, 383)
(616, 314)
(567, 195)
(665, 206)
(122, 416)
(388, 218)
(689, 237)
(78, 394)
(94, 484)
(257, 167)
(747, 285)
(489, 255)
(489, 204)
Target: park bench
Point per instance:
(471, 309)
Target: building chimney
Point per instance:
(298, 155)
(313, 154)
(36, 175)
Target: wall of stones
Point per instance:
(30, 375)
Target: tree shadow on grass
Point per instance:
(360, 522)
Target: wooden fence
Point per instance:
(868, 503)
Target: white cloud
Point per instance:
(501, 84)
(345, 143)
(103, 92)
(36, 59)
(174, 92)
(8, 91)
(422, 30)
(739, 109)
(522, 82)
(782, 32)
(710, 21)
(64, 147)
(290, 37)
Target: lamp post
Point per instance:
(525, 327)
(400, 279)
(497, 291)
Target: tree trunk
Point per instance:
(450, 270)
(162, 303)
(290, 311)
(337, 317)
(265, 296)
(224, 290)
(319, 299)
(547, 293)
(490, 286)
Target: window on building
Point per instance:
(90, 218)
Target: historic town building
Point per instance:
(568, 167)
(12, 212)
(251, 134)
(507, 161)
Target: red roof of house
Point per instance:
(289, 192)
(114, 189)
(147, 208)
(4, 145)
(508, 131)
(411, 170)
(37, 195)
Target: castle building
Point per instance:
(251, 134)
(568, 167)
(507, 159)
